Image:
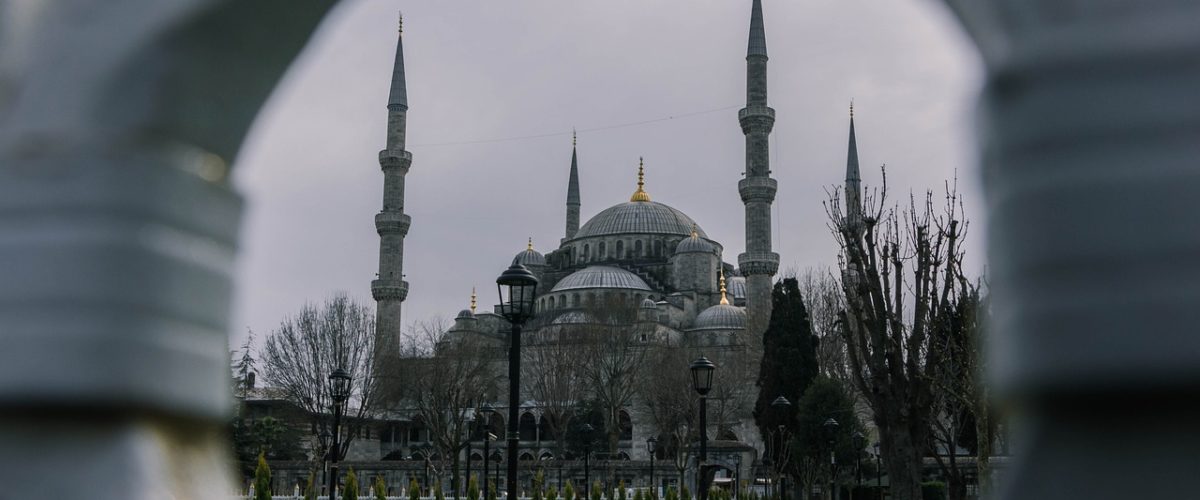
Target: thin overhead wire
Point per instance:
(581, 131)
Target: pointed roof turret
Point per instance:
(399, 92)
(758, 34)
(852, 174)
(853, 181)
(573, 182)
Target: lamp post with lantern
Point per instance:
(517, 288)
(652, 448)
(339, 391)
(702, 373)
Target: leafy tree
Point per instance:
(350, 489)
(262, 479)
(379, 488)
(814, 441)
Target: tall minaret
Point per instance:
(573, 193)
(390, 289)
(853, 183)
(758, 263)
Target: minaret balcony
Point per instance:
(752, 263)
(399, 158)
(749, 112)
(758, 189)
(390, 222)
(382, 289)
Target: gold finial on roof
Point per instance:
(529, 246)
(472, 300)
(695, 234)
(641, 194)
(724, 301)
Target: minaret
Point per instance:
(758, 263)
(853, 183)
(573, 193)
(390, 289)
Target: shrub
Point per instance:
(350, 490)
(538, 479)
(621, 490)
(491, 492)
(597, 491)
(310, 489)
(262, 479)
(684, 494)
(379, 488)
(568, 491)
(671, 495)
(637, 495)
(473, 488)
(414, 489)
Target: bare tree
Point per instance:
(896, 260)
(298, 357)
(667, 396)
(553, 376)
(447, 375)
(823, 297)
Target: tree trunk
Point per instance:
(903, 457)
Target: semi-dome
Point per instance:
(721, 317)
(529, 257)
(601, 277)
(639, 217)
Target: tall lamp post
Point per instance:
(339, 391)
(781, 405)
(860, 441)
(587, 455)
(702, 373)
(652, 447)
(831, 426)
(326, 437)
(878, 472)
(517, 287)
(488, 410)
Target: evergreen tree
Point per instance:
(789, 361)
(310, 488)
(262, 479)
(473, 488)
(379, 488)
(597, 491)
(671, 495)
(637, 495)
(350, 490)
(552, 493)
(414, 489)
(538, 479)
(491, 491)
(621, 490)
(568, 491)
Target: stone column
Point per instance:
(118, 230)
(1090, 126)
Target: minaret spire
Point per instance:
(573, 192)
(759, 263)
(853, 181)
(390, 289)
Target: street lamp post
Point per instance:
(339, 391)
(652, 447)
(878, 472)
(487, 411)
(517, 287)
(831, 426)
(587, 456)
(859, 442)
(326, 438)
(702, 373)
(781, 406)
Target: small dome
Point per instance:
(737, 287)
(466, 314)
(649, 304)
(601, 277)
(694, 244)
(721, 317)
(529, 258)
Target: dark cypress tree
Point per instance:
(789, 362)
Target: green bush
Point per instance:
(933, 490)
(379, 488)
(597, 491)
(551, 493)
(671, 495)
(568, 491)
(350, 490)
(473, 488)
(414, 489)
(621, 490)
(538, 479)
(637, 495)
(262, 479)
(491, 492)
(684, 494)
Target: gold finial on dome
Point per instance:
(695, 233)
(641, 194)
(472, 300)
(529, 246)
(724, 301)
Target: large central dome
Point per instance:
(639, 217)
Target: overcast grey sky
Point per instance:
(483, 69)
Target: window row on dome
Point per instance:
(575, 300)
(599, 250)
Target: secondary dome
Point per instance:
(529, 257)
(466, 314)
(639, 217)
(601, 277)
(694, 244)
(721, 317)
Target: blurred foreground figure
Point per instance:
(1091, 166)
(118, 229)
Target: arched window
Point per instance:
(620, 249)
(550, 302)
(528, 427)
(547, 455)
(526, 457)
(637, 248)
(603, 251)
